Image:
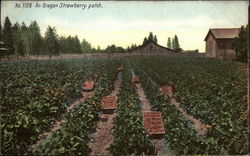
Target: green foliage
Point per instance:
(169, 44)
(175, 44)
(129, 135)
(150, 38)
(114, 49)
(36, 41)
(7, 35)
(241, 44)
(17, 40)
(130, 49)
(216, 96)
(73, 137)
(85, 46)
(51, 41)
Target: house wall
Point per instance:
(151, 49)
(225, 47)
(211, 47)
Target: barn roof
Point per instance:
(223, 33)
(144, 45)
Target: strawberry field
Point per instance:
(35, 94)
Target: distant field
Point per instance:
(36, 93)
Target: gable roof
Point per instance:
(144, 45)
(223, 33)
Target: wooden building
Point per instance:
(152, 48)
(220, 42)
(3, 48)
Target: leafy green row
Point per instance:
(73, 137)
(180, 136)
(129, 134)
(36, 95)
(213, 91)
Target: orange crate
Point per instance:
(152, 122)
(88, 85)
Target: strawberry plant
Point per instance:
(129, 134)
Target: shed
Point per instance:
(220, 42)
(152, 48)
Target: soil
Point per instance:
(147, 107)
(144, 101)
(58, 124)
(159, 145)
(102, 138)
(200, 128)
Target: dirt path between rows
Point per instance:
(102, 138)
(200, 128)
(58, 124)
(144, 101)
(145, 106)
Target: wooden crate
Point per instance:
(88, 85)
(166, 90)
(153, 124)
(109, 104)
(136, 79)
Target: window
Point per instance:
(150, 48)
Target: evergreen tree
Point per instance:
(63, 47)
(169, 45)
(17, 40)
(145, 41)
(86, 46)
(35, 37)
(76, 45)
(155, 39)
(51, 41)
(173, 44)
(150, 36)
(176, 44)
(241, 44)
(25, 35)
(7, 35)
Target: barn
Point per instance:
(220, 42)
(152, 48)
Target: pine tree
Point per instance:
(17, 40)
(35, 37)
(241, 45)
(176, 44)
(51, 41)
(145, 41)
(7, 35)
(150, 36)
(155, 39)
(173, 44)
(169, 45)
(25, 35)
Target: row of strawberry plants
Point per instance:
(129, 134)
(36, 94)
(180, 135)
(212, 94)
(73, 137)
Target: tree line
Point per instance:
(23, 40)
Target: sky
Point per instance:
(123, 23)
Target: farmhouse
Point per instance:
(220, 42)
(152, 48)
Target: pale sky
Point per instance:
(124, 23)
